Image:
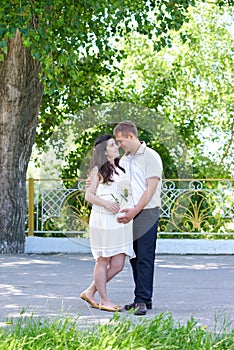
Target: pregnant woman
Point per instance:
(109, 192)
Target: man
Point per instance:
(144, 168)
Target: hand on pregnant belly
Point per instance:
(113, 207)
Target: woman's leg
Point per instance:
(116, 264)
(100, 280)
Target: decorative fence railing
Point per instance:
(190, 207)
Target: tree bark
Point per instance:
(20, 99)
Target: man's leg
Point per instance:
(143, 266)
(133, 261)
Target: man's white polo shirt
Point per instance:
(144, 164)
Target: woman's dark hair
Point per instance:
(105, 168)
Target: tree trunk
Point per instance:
(20, 100)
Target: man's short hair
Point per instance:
(126, 127)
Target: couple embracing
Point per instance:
(125, 194)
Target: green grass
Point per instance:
(119, 333)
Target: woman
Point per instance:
(110, 241)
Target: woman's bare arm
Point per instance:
(90, 194)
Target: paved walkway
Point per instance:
(50, 285)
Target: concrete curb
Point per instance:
(48, 245)
(195, 246)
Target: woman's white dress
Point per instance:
(107, 236)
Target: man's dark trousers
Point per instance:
(144, 246)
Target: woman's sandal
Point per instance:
(86, 298)
(115, 308)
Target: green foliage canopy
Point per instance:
(190, 84)
(75, 43)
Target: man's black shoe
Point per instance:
(132, 306)
(129, 306)
(140, 309)
(149, 305)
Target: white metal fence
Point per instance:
(192, 207)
